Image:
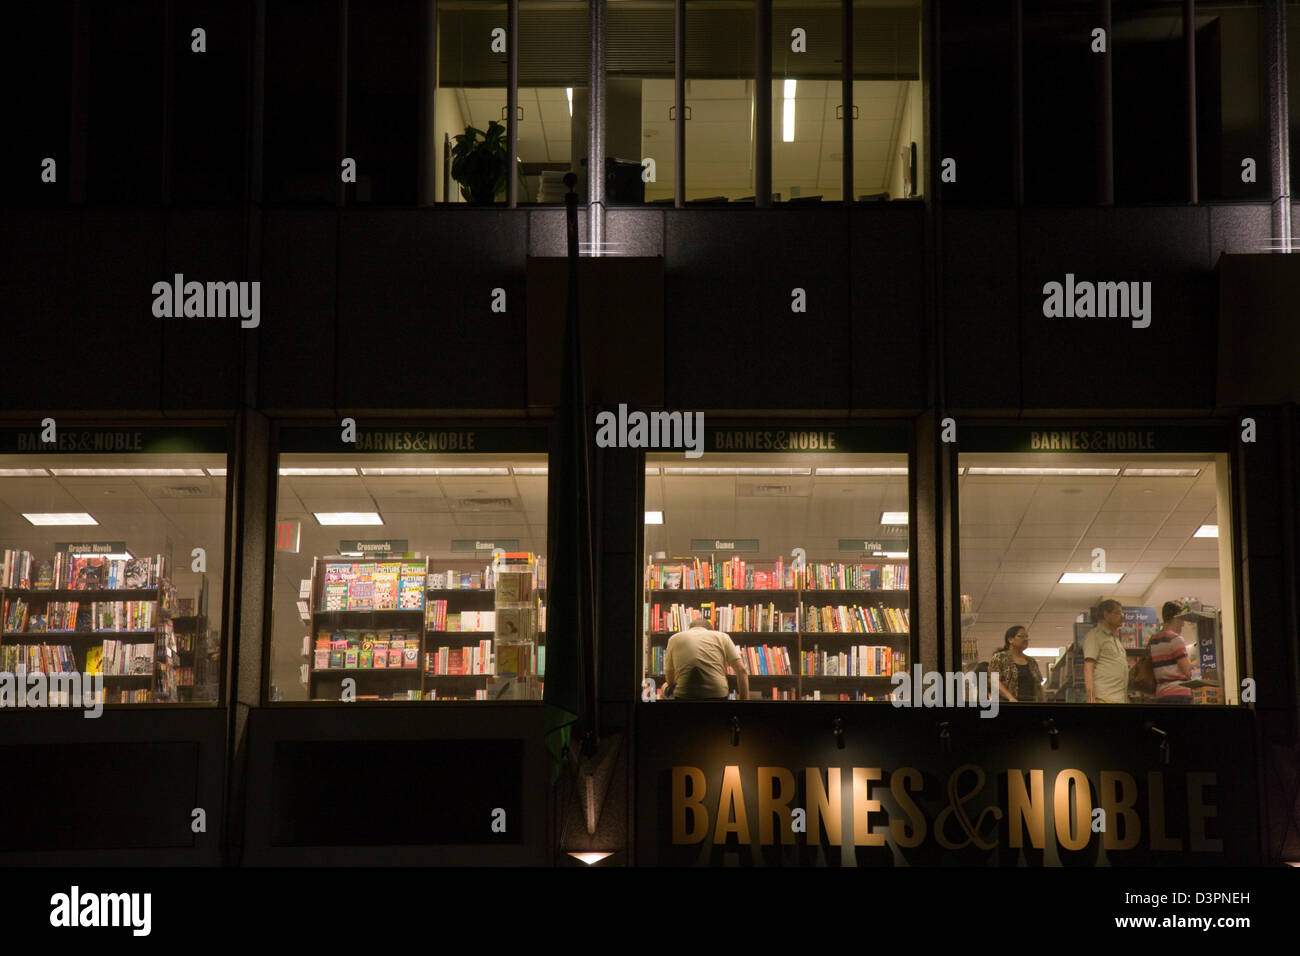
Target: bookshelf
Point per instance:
(809, 634)
(126, 633)
(446, 637)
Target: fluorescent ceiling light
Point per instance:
(1161, 472)
(654, 517)
(390, 472)
(217, 472)
(1052, 652)
(789, 89)
(862, 471)
(123, 556)
(737, 471)
(889, 554)
(299, 472)
(125, 472)
(541, 470)
(1090, 577)
(59, 517)
(349, 554)
(787, 119)
(568, 94)
(590, 858)
(1207, 531)
(24, 473)
(893, 517)
(348, 517)
(651, 471)
(1072, 472)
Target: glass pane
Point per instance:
(720, 101)
(301, 154)
(1048, 539)
(1231, 98)
(553, 52)
(101, 582)
(472, 64)
(1149, 65)
(639, 85)
(720, 542)
(889, 132)
(386, 586)
(807, 137)
(383, 99)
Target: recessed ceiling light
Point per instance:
(654, 517)
(217, 472)
(301, 472)
(125, 472)
(24, 473)
(1090, 577)
(651, 471)
(893, 517)
(469, 472)
(862, 471)
(1074, 472)
(737, 471)
(1207, 531)
(59, 517)
(348, 517)
(1161, 472)
(532, 470)
(590, 858)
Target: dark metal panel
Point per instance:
(887, 323)
(416, 327)
(731, 338)
(201, 358)
(296, 337)
(979, 298)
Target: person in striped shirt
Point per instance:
(1169, 658)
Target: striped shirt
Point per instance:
(1167, 649)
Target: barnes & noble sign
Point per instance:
(415, 440)
(1163, 438)
(883, 439)
(154, 441)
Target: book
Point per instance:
(514, 587)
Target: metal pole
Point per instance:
(679, 100)
(1278, 120)
(1105, 113)
(1189, 41)
(512, 103)
(846, 97)
(596, 130)
(762, 103)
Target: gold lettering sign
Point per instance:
(1156, 814)
(1117, 793)
(777, 805)
(911, 833)
(1025, 808)
(824, 805)
(1081, 821)
(864, 807)
(731, 809)
(1197, 812)
(692, 804)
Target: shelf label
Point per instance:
(485, 544)
(384, 547)
(724, 544)
(92, 547)
(860, 544)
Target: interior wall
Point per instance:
(449, 121)
(910, 130)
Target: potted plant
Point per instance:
(479, 162)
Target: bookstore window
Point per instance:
(409, 577)
(889, 109)
(801, 560)
(112, 574)
(1052, 541)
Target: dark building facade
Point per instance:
(1014, 250)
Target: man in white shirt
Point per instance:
(696, 661)
(1105, 663)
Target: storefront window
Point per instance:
(410, 575)
(1075, 550)
(113, 561)
(800, 557)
